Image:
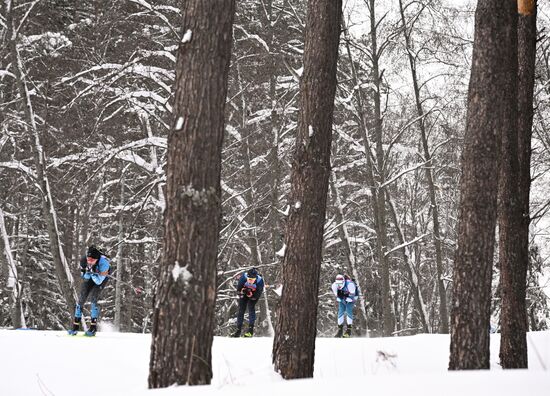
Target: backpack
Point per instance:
(357, 290)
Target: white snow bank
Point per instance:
(52, 363)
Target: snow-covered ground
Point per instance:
(52, 363)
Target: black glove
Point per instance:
(83, 265)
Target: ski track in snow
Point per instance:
(53, 363)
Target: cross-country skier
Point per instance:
(94, 268)
(346, 294)
(249, 290)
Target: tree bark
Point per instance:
(294, 343)
(491, 110)
(183, 318)
(514, 218)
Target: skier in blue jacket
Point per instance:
(94, 268)
(249, 290)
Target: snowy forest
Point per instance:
(87, 104)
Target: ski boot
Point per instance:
(250, 332)
(237, 333)
(347, 334)
(76, 327)
(93, 328)
(340, 331)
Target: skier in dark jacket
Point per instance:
(94, 268)
(249, 290)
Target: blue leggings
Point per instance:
(243, 303)
(89, 288)
(345, 309)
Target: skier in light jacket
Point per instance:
(94, 268)
(345, 291)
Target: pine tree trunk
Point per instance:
(514, 218)
(491, 109)
(183, 318)
(294, 343)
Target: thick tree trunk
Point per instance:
(183, 319)
(294, 343)
(491, 111)
(443, 312)
(514, 218)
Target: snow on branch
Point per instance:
(253, 37)
(149, 7)
(411, 169)
(96, 154)
(234, 195)
(20, 167)
(405, 244)
(116, 70)
(6, 73)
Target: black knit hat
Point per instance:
(93, 252)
